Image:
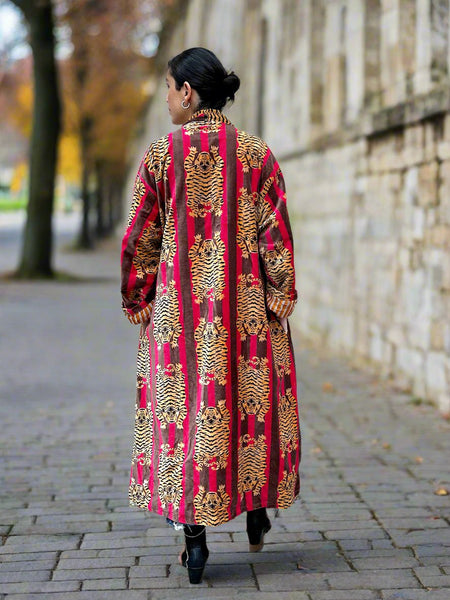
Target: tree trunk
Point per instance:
(115, 201)
(85, 238)
(102, 224)
(36, 257)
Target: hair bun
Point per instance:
(231, 84)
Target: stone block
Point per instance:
(430, 143)
(39, 589)
(22, 576)
(95, 563)
(413, 149)
(415, 594)
(24, 565)
(364, 534)
(144, 583)
(428, 180)
(439, 236)
(432, 577)
(290, 582)
(418, 223)
(377, 579)
(443, 146)
(32, 546)
(59, 527)
(411, 187)
(343, 595)
(104, 584)
(148, 571)
(82, 574)
(391, 562)
(436, 560)
(418, 538)
(439, 334)
(443, 401)
(411, 362)
(437, 370)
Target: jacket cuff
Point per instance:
(280, 306)
(141, 316)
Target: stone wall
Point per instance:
(353, 97)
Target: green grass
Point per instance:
(8, 204)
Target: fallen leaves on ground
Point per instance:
(328, 387)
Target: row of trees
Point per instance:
(103, 85)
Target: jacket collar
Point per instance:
(209, 115)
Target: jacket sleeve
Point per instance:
(141, 247)
(276, 246)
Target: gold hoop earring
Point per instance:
(185, 107)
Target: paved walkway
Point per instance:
(369, 524)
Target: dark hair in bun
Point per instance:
(206, 75)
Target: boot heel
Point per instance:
(195, 574)
(258, 524)
(195, 563)
(260, 545)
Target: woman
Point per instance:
(208, 273)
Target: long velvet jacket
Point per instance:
(208, 273)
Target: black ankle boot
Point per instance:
(196, 554)
(258, 524)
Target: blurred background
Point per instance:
(352, 96)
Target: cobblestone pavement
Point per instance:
(369, 524)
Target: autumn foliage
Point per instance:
(105, 78)
(104, 82)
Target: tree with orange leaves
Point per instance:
(105, 78)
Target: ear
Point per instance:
(187, 91)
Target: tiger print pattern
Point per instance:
(211, 349)
(280, 348)
(139, 494)
(287, 415)
(266, 216)
(252, 457)
(157, 158)
(166, 315)
(146, 259)
(251, 307)
(143, 437)
(279, 267)
(247, 236)
(250, 151)
(170, 474)
(212, 124)
(211, 508)
(253, 387)
(207, 268)
(168, 244)
(204, 181)
(286, 489)
(138, 193)
(170, 395)
(212, 436)
(194, 127)
(143, 358)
